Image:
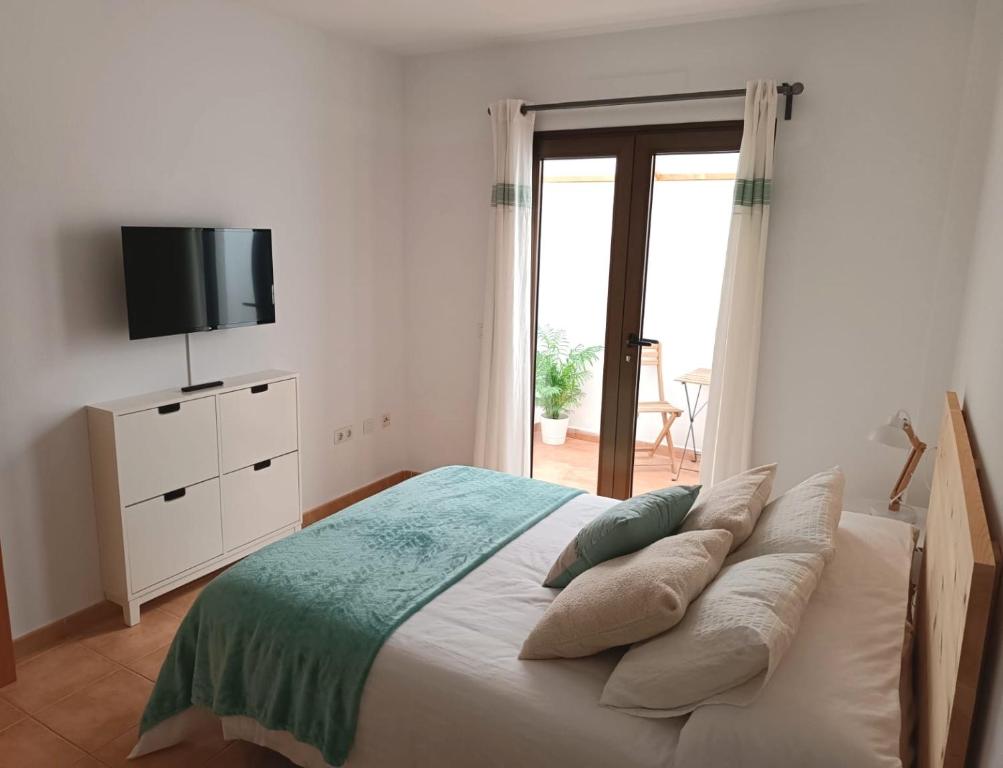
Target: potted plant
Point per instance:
(561, 374)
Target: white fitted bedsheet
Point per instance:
(447, 689)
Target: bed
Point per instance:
(447, 688)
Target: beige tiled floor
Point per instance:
(78, 705)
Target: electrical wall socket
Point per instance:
(341, 434)
(386, 420)
(369, 425)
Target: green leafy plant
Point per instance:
(561, 372)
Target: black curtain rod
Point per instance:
(788, 90)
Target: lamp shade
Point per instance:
(893, 433)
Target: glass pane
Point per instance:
(687, 239)
(575, 230)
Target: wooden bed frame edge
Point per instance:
(956, 590)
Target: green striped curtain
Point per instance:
(502, 436)
(728, 433)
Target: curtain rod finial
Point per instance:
(790, 90)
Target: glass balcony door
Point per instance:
(630, 230)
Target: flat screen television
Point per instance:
(186, 279)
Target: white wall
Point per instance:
(186, 112)
(861, 183)
(976, 225)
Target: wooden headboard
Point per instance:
(954, 600)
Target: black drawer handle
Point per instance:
(170, 408)
(172, 495)
(263, 465)
(257, 388)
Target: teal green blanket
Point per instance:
(287, 635)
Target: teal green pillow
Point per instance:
(623, 528)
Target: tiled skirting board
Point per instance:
(336, 505)
(46, 637)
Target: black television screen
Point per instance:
(185, 279)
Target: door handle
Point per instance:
(636, 341)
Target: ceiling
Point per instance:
(425, 26)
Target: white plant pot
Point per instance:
(555, 431)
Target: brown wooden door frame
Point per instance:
(723, 136)
(635, 149)
(8, 671)
(588, 144)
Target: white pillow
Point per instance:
(727, 645)
(834, 702)
(733, 505)
(802, 520)
(628, 598)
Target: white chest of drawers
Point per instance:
(186, 483)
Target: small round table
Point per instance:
(700, 378)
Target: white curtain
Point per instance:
(503, 430)
(728, 435)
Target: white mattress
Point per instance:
(447, 689)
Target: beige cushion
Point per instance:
(733, 504)
(802, 520)
(726, 647)
(628, 598)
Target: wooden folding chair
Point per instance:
(652, 356)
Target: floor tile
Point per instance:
(149, 666)
(196, 750)
(100, 712)
(243, 754)
(31, 745)
(123, 644)
(180, 600)
(55, 674)
(9, 715)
